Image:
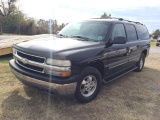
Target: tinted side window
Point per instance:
(131, 32)
(142, 32)
(118, 30)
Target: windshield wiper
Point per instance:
(84, 38)
(61, 35)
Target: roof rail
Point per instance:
(117, 18)
(121, 19)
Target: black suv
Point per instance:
(82, 56)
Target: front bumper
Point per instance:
(63, 89)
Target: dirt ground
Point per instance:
(135, 96)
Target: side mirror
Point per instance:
(119, 40)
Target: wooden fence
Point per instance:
(6, 44)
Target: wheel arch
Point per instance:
(145, 52)
(99, 65)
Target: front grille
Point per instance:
(30, 67)
(30, 57)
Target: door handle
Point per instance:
(131, 50)
(127, 51)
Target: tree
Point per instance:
(105, 16)
(150, 35)
(157, 32)
(6, 8)
(43, 26)
(13, 22)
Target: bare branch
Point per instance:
(1, 13)
(9, 8)
(3, 7)
(5, 11)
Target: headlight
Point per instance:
(63, 67)
(14, 50)
(54, 62)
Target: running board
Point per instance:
(118, 76)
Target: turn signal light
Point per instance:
(65, 74)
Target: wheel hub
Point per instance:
(141, 63)
(88, 86)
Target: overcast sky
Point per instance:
(145, 11)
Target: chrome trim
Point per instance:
(95, 59)
(119, 76)
(138, 57)
(27, 60)
(32, 55)
(125, 62)
(28, 68)
(42, 65)
(118, 65)
(59, 88)
(139, 40)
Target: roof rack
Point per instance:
(121, 19)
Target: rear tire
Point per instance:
(88, 85)
(140, 63)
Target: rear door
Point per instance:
(143, 37)
(133, 44)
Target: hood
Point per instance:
(53, 45)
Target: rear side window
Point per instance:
(131, 32)
(142, 32)
(118, 30)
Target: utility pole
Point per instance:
(50, 26)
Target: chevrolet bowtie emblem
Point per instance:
(24, 60)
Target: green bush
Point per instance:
(153, 40)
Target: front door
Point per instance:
(117, 57)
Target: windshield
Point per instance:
(87, 30)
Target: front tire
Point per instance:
(88, 85)
(140, 63)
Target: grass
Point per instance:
(153, 44)
(11, 34)
(135, 96)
